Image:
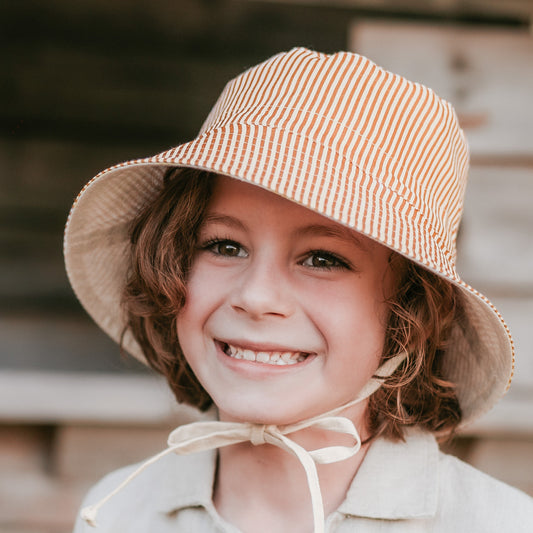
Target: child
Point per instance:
(294, 265)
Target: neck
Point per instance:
(264, 488)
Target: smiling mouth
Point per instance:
(277, 358)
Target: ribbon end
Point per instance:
(88, 514)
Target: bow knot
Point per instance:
(201, 436)
(257, 436)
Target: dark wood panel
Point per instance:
(90, 83)
(138, 70)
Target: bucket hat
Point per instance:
(336, 134)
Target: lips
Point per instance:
(278, 358)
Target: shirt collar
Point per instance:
(396, 479)
(187, 481)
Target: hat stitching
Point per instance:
(221, 124)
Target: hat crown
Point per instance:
(346, 112)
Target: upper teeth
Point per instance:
(271, 358)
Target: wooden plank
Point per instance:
(52, 398)
(520, 9)
(45, 175)
(81, 399)
(39, 180)
(518, 313)
(166, 95)
(485, 72)
(511, 416)
(495, 246)
(507, 459)
(119, 70)
(62, 342)
(74, 457)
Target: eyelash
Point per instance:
(210, 245)
(338, 263)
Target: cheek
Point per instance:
(204, 295)
(191, 316)
(198, 288)
(353, 317)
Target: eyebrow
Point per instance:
(320, 230)
(217, 218)
(337, 232)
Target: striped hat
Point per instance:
(338, 135)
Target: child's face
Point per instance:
(272, 280)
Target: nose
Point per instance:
(263, 291)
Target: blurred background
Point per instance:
(90, 83)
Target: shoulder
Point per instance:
(142, 496)
(99, 491)
(473, 501)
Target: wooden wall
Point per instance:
(90, 83)
(87, 84)
(487, 73)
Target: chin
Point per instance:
(262, 413)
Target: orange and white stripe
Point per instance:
(339, 135)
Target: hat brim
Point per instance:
(480, 358)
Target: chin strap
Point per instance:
(201, 436)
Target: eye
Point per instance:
(324, 260)
(225, 248)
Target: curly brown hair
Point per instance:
(422, 311)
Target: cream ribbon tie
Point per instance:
(209, 435)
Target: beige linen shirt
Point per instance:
(405, 487)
